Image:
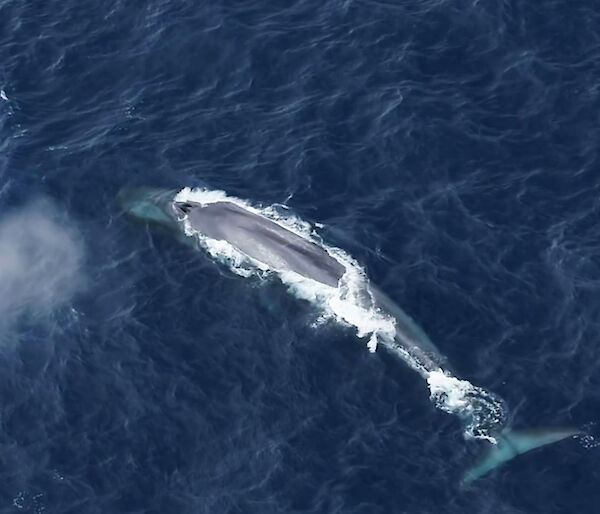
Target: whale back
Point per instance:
(265, 241)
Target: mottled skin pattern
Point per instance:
(263, 240)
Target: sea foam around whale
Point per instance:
(348, 304)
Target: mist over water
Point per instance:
(41, 260)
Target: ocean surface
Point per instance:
(449, 147)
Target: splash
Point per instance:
(587, 441)
(586, 438)
(29, 502)
(351, 303)
(481, 411)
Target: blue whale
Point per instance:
(273, 245)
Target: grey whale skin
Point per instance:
(268, 242)
(263, 240)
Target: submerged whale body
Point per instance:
(512, 444)
(273, 246)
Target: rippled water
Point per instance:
(449, 147)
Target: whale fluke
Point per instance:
(512, 444)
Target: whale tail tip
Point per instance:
(511, 444)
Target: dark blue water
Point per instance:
(450, 147)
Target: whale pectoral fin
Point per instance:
(511, 444)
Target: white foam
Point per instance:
(585, 438)
(345, 303)
(481, 411)
(351, 304)
(449, 391)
